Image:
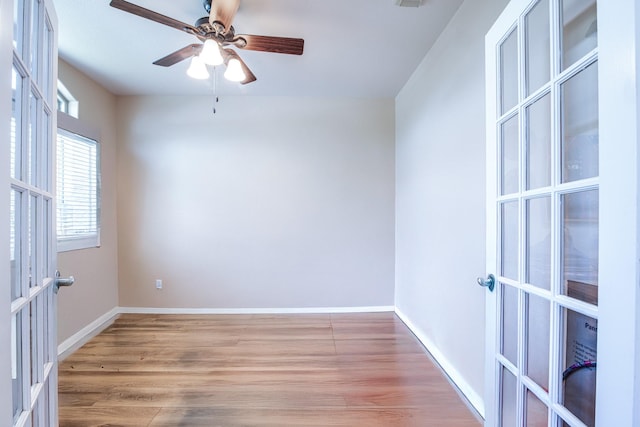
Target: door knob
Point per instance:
(489, 282)
(63, 282)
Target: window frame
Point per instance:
(75, 126)
(69, 103)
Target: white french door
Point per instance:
(554, 279)
(31, 204)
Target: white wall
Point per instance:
(272, 203)
(440, 197)
(95, 291)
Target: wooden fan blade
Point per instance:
(153, 16)
(179, 55)
(269, 44)
(228, 54)
(223, 11)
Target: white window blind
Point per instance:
(78, 191)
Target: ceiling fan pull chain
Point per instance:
(215, 88)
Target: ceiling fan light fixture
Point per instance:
(217, 27)
(234, 71)
(197, 69)
(210, 53)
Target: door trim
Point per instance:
(618, 339)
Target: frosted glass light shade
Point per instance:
(197, 69)
(210, 53)
(234, 71)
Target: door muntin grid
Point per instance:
(550, 188)
(33, 343)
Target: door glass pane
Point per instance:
(47, 54)
(34, 242)
(538, 339)
(35, 348)
(538, 235)
(35, 418)
(35, 39)
(537, 412)
(16, 125)
(538, 36)
(579, 372)
(46, 161)
(509, 156)
(580, 245)
(509, 72)
(37, 340)
(509, 399)
(579, 29)
(539, 143)
(16, 365)
(17, 24)
(509, 323)
(46, 245)
(15, 247)
(509, 240)
(34, 138)
(579, 97)
(46, 323)
(47, 397)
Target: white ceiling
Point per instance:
(353, 48)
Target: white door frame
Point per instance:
(619, 300)
(618, 373)
(6, 55)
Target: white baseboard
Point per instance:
(78, 339)
(305, 310)
(474, 399)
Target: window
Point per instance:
(63, 103)
(77, 185)
(66, 102)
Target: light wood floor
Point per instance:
(257, 370)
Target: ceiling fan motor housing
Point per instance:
(216, 29)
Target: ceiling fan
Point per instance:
(216, 33)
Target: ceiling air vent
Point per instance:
(408, 3)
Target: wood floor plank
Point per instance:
(121, 417)
(350, 417)
(257, 370)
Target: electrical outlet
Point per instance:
(158, 283)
